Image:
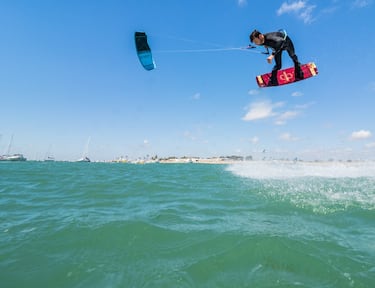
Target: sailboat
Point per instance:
(14, 157)
(48, 157)
(84, 157)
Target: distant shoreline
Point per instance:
(213, 160)
(201, 161)
(226, 161)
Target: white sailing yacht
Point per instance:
(84, 157)
(48, 157)
(14, 157)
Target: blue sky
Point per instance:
(69, 72)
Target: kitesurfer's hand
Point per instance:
(269, 59)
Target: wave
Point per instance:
(288, 169)
(319, 187)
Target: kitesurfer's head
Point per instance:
(257, 37)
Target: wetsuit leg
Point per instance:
(276, 68)
(289, 47)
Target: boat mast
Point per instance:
(9, 145)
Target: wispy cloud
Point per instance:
(360, 135)
(189, 135)
(253, 92)
(300, 8)
(242, 3)
(291, 7)
(283, 117)
(297, 94)
(254, 140)
(304, 106)
(361, 3)
(370, 145)
(267, 109)
(196, 96)
(261, 110)
(329, 10)
(145, 144)
(288, 137)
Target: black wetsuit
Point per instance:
(278, 41)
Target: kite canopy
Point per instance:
(144, 51)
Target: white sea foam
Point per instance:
(289, 169)
(323, 187)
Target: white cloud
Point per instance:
(261, 110)
(304, 106)
(254, 140)
(360, 135)
(297, 94)
(361, 3)
(306, 15)
(253, 92)
(282, 118)
(189, 135)
(370, 145)
(300, 8)
(292, 7)
(288, 137)
(196, 96)
(267, 109)
(329, 10)
(242, 3)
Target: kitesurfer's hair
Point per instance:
(254, 34)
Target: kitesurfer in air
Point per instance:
(278, 41)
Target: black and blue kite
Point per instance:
(144, 51)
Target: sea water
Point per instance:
(255, 224)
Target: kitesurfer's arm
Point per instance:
(270, 58)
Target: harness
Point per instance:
(283, 31)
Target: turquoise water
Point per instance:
(258, 224)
